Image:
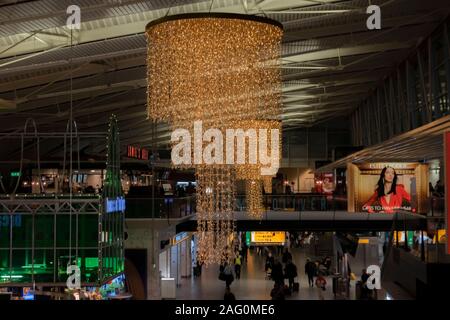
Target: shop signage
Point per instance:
(395, 165)
(137, 153)
(115, 205)
(16, 220)
(180, 237)
(447, 184)
(375, 168)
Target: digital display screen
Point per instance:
(113, 287)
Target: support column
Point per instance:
(153, 274)
(186, 258)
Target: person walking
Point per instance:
(277, 273)
(286, 256)
(198, 268)
(321, 285)
(291, 273)
(270, 261)
(277, 292)
(226, 274)
(243, 253)
(228, 296)
(310, 270)
(366, 293)
(237, 266)
(327, 264)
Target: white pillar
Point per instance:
(186, 258)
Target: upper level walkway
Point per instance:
(321, 221)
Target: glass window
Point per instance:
(63, 231)
(22, 234)
(88, 230)
(44, 265)
(62, 261)
(88, 262)
(21, 265)
(44, 230)
(4, 265)
(4, 230)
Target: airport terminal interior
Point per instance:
(224, 149)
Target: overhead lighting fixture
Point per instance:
(218, 68)
(211, 67)
(306, 67)
(306, 96)
(309, 11)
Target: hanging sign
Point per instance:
(137, 153)
(115, 205)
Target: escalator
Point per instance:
(416, 274)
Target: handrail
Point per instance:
(390, 244)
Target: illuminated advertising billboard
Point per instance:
(387, 187)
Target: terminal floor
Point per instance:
(254, 286)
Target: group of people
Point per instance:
(185, 191)
(438, 190)
(274, 270)
(278, 271)
(319, 270)
(299, 239)
(228, 271)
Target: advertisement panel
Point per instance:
(387, 187)
(324, 183)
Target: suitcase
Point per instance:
(196, 271)
(296, 287)
(358, 290)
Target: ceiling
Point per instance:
(421, 144)
(330, 60)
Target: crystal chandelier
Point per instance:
(221, 69)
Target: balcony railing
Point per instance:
(296, 202)
(159, 208)
(178, 207)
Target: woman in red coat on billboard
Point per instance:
(389, 196)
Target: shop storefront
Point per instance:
(175, 261)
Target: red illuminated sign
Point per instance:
(447, 184)
(137, 153)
